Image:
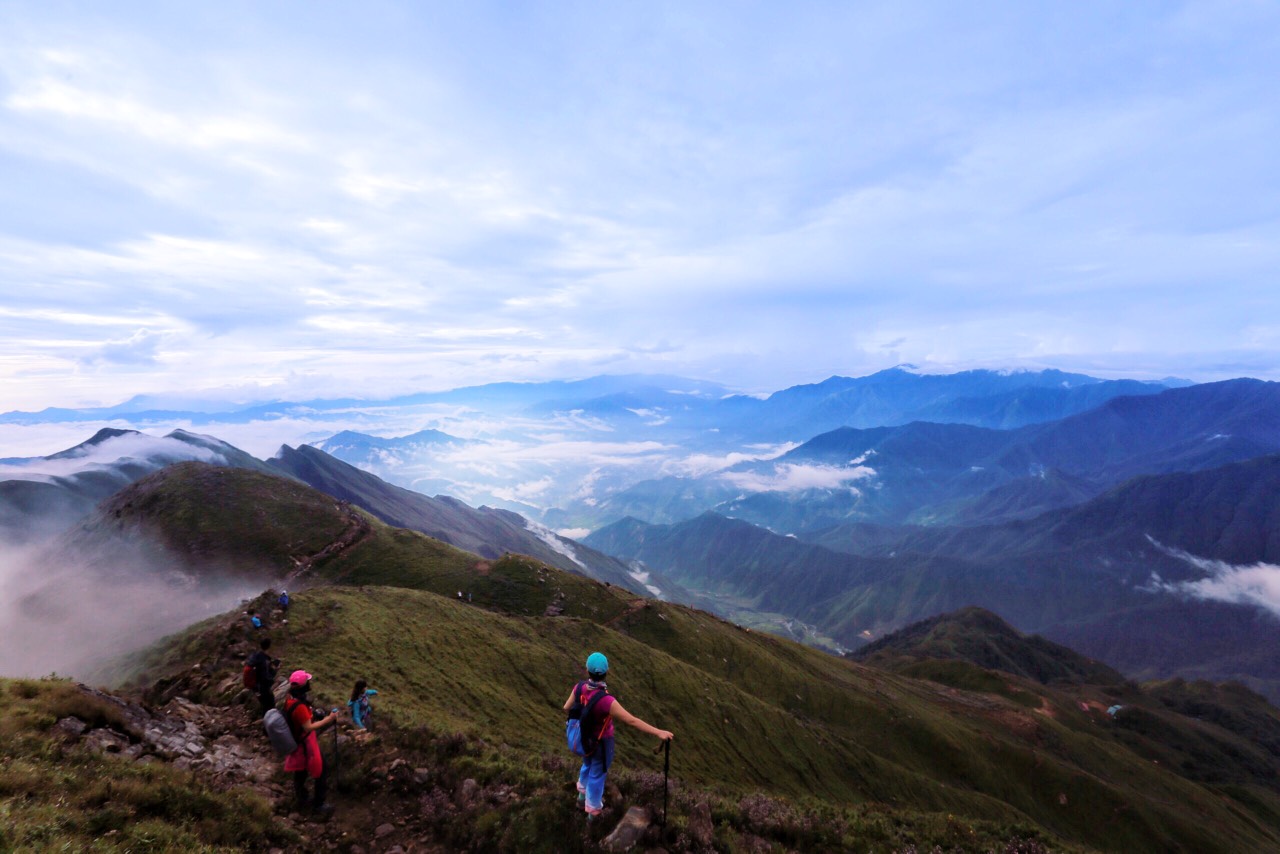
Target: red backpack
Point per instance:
(251, 677)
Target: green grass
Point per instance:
(56, 798)
(754, 713)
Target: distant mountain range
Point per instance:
(928, 473)
(1157, 577)
(579, 454)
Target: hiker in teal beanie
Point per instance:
(595, 768)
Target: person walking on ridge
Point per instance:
(599, 721)
(264, 668)
(306, 761)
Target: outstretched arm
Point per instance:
(313, 725)
(627, 718)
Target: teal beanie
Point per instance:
(597, 664)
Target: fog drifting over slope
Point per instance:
(68, 617)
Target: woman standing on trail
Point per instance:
(306, 761)
(359, 703)
(598, 719)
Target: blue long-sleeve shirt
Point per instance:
(360, 708)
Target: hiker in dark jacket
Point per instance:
(264, 668)
(306, 761)
(595, 768)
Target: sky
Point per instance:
(292, 200)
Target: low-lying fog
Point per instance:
(70, 616)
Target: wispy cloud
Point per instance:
(794, 477)
(1251, 584)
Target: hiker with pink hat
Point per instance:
(306, 761)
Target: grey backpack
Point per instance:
(279, 732)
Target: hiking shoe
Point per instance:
(582, 798)
(322, 809)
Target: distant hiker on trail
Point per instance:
(359, 703)
(306, 761)
(592, 708)
(254, 619)
(260, 669)
(283, 601)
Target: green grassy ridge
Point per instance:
(240, 518)
(515, 584)
(980, 637)
(56, 798)
(848, 734)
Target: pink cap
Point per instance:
(299, 677)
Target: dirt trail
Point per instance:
(358, 528)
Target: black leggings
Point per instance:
(300, 786)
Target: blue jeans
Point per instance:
(591, 779)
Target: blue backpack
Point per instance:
(582, 736)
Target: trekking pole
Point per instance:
(335, 752)
(666, 773)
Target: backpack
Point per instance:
(583, 738)
(250, 677)
(280, 732)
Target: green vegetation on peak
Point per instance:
(981, 638)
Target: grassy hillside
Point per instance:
(981, 638)
(57, 798)
(752, 712)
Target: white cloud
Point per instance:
(549, 537)
(117, 449)
(796, 477)
(698, 465)
(1250, 584)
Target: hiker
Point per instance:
(359, 703)
(283, 601)
(595, 766)
(264, 669)
(306, 761)
(254, 619)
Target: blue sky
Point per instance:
(299, 199)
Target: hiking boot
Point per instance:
(582, 798)
(323, 809)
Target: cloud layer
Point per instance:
(408, 196)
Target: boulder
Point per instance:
(467, 792)
(105, 741)
(70, 728)
(384, 830)
(701, 830)
(629, 831)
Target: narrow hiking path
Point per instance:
(358, 528)
(395, 791)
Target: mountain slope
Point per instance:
(487, 532)
(1128, 577)
(751, 712)
(981, 638)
